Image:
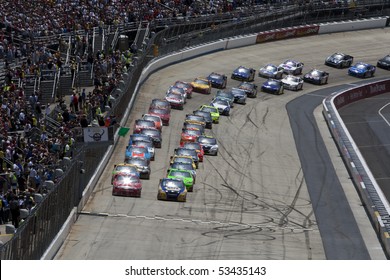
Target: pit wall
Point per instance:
(370, 193)
(193, 52)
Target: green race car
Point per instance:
(186, 176)
(213, 111)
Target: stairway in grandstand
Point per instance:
(46, 89)
(66, 82)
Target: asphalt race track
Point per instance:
(271, 193)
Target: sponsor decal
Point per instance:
(289, 33)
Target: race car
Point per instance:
(148, 144)
(207, 117)
(163, 113)
(239, 95)
(139, 137)
(201, 85)
(183, 159)
(187, 152)
(160, 104)
(339, 60)
(271, 71)
(137, 151)
(316, 76)
(213, 111)
(228, 95)
(191, 118)
(142, 165)
(292, 82)
(186, 86)
(362, 70)
(197, 147)
(172, 189)
(209, 144)
(384, 62)
(124, 169)
(183, 166)
(292, 67)
(176, 100)
(155, 134)
(179, 91)
(186, 176)
(222, 105)
(126, 185)
(242, 73)
(273, 86)
(140, 124)
(217, 80)
(189, 135)
(156, 119)
(194, 126)
(249, 88)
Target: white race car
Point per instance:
(271, 71)
(292, 82)
(292, 67)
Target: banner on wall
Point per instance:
(285, 33)
(95, 134)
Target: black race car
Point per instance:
(242, 73)
(384, 62)
(339, 60)
(249, 88)
(217, 80)
(316, 76)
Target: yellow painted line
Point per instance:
(8, 234)
(387, 235)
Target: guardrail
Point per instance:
(374, 200)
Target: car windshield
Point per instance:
(180, 173)
(292, 79)
(360, 66)
(143, 143)
(176, 90)
(137, 161)
(290, 63)
(192, 132)
(173, 95)
(221, 102)
(159, 111)
(207, 140)
(271, 68)
(124, 179)
(183, 160)
(203, 114)
(182, 166)
(224, 94)
(144, 123)
(243, 70)
(215, 76)
(151, 132)
(315, 73)
(192, 145)
(386, 58)
(273, 82)
(152, 118)
(181, 85)
(124, 168)
(237, 91)
(195, 118)
(209, 109)
(172, 184)
(185, 152)
(337, 56)
(203, 82)
(246, 86)
(160, 103)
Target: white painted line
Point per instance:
(383, 117)
(362, 185)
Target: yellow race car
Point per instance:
(201, 85)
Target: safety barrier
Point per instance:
(375, 202)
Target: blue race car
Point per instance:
(217, 80)
(172, 189)
(273, 86)
(242, 73)
(362, 70)
(136, 152)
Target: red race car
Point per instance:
(186, 86)
(126, 185)
(156, 119)
(164, 114)
(189, 135)
(141, 124)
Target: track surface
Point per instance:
(252, 200)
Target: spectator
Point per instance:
(15, 211)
